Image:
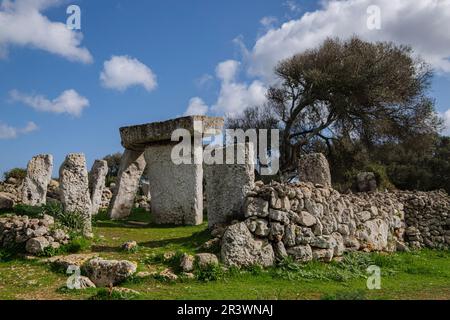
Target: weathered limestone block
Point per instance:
(74, 187)
(39, 174)
(240, 248)
(228, 184)
(97, 178)
(105, 273)
(141, 136)
(177, 190)
(314, 168)
(132, 166)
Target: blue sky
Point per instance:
(215, 55)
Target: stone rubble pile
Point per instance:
(315, 222)
(35, 235)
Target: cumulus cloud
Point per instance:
(197, 107)
(23, 24)
(424, 25)
(227, 70)
(9, 132)
(235, 96)
(446, 117)
(69, 102)
(122, 72)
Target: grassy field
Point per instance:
(415, 275)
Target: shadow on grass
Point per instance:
(191, 242)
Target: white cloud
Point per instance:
(122, 72)
(69, 102)
(424, 25)
(227, 70)
(268, 22)
(292, 6)
(196, 107)
(9, 132)
(23, 24)
(204, 80)
(236, 96)
(446, 117)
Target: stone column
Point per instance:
(74, 188)
(314, 168)
(228, 184)
(39, 174)
(176, 190)
(132, 166)
(97, 177)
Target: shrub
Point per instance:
(107, 294)
(16, 173)
(74, 221)
(211, 272)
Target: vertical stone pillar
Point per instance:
(314, 168)
(74, 189)
(228, 184)
(97, 177)
(176, 189)
(132, 166)
(39, 174)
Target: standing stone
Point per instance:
(97, 178)
(74, 187)
(228, 184)
(39, 174)
(176, 189)
(132, 166)
(314, 168)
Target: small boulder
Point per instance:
(129, 246)
(105, 273)
(240, 248)
(187, 263)
(204, 260)
(6, 201)
(36, 245)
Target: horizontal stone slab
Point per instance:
(140, 136)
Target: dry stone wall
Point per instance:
(314, 222)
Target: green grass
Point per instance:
(415, 275)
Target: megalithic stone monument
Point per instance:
(176, 184)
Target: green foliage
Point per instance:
(30, 211)
(77, 244)
(74, 221)
(346, 295)
(421, 163)
(113, 161)
(108, 294)
(211, 272)
(16, 173)
(6, 255)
